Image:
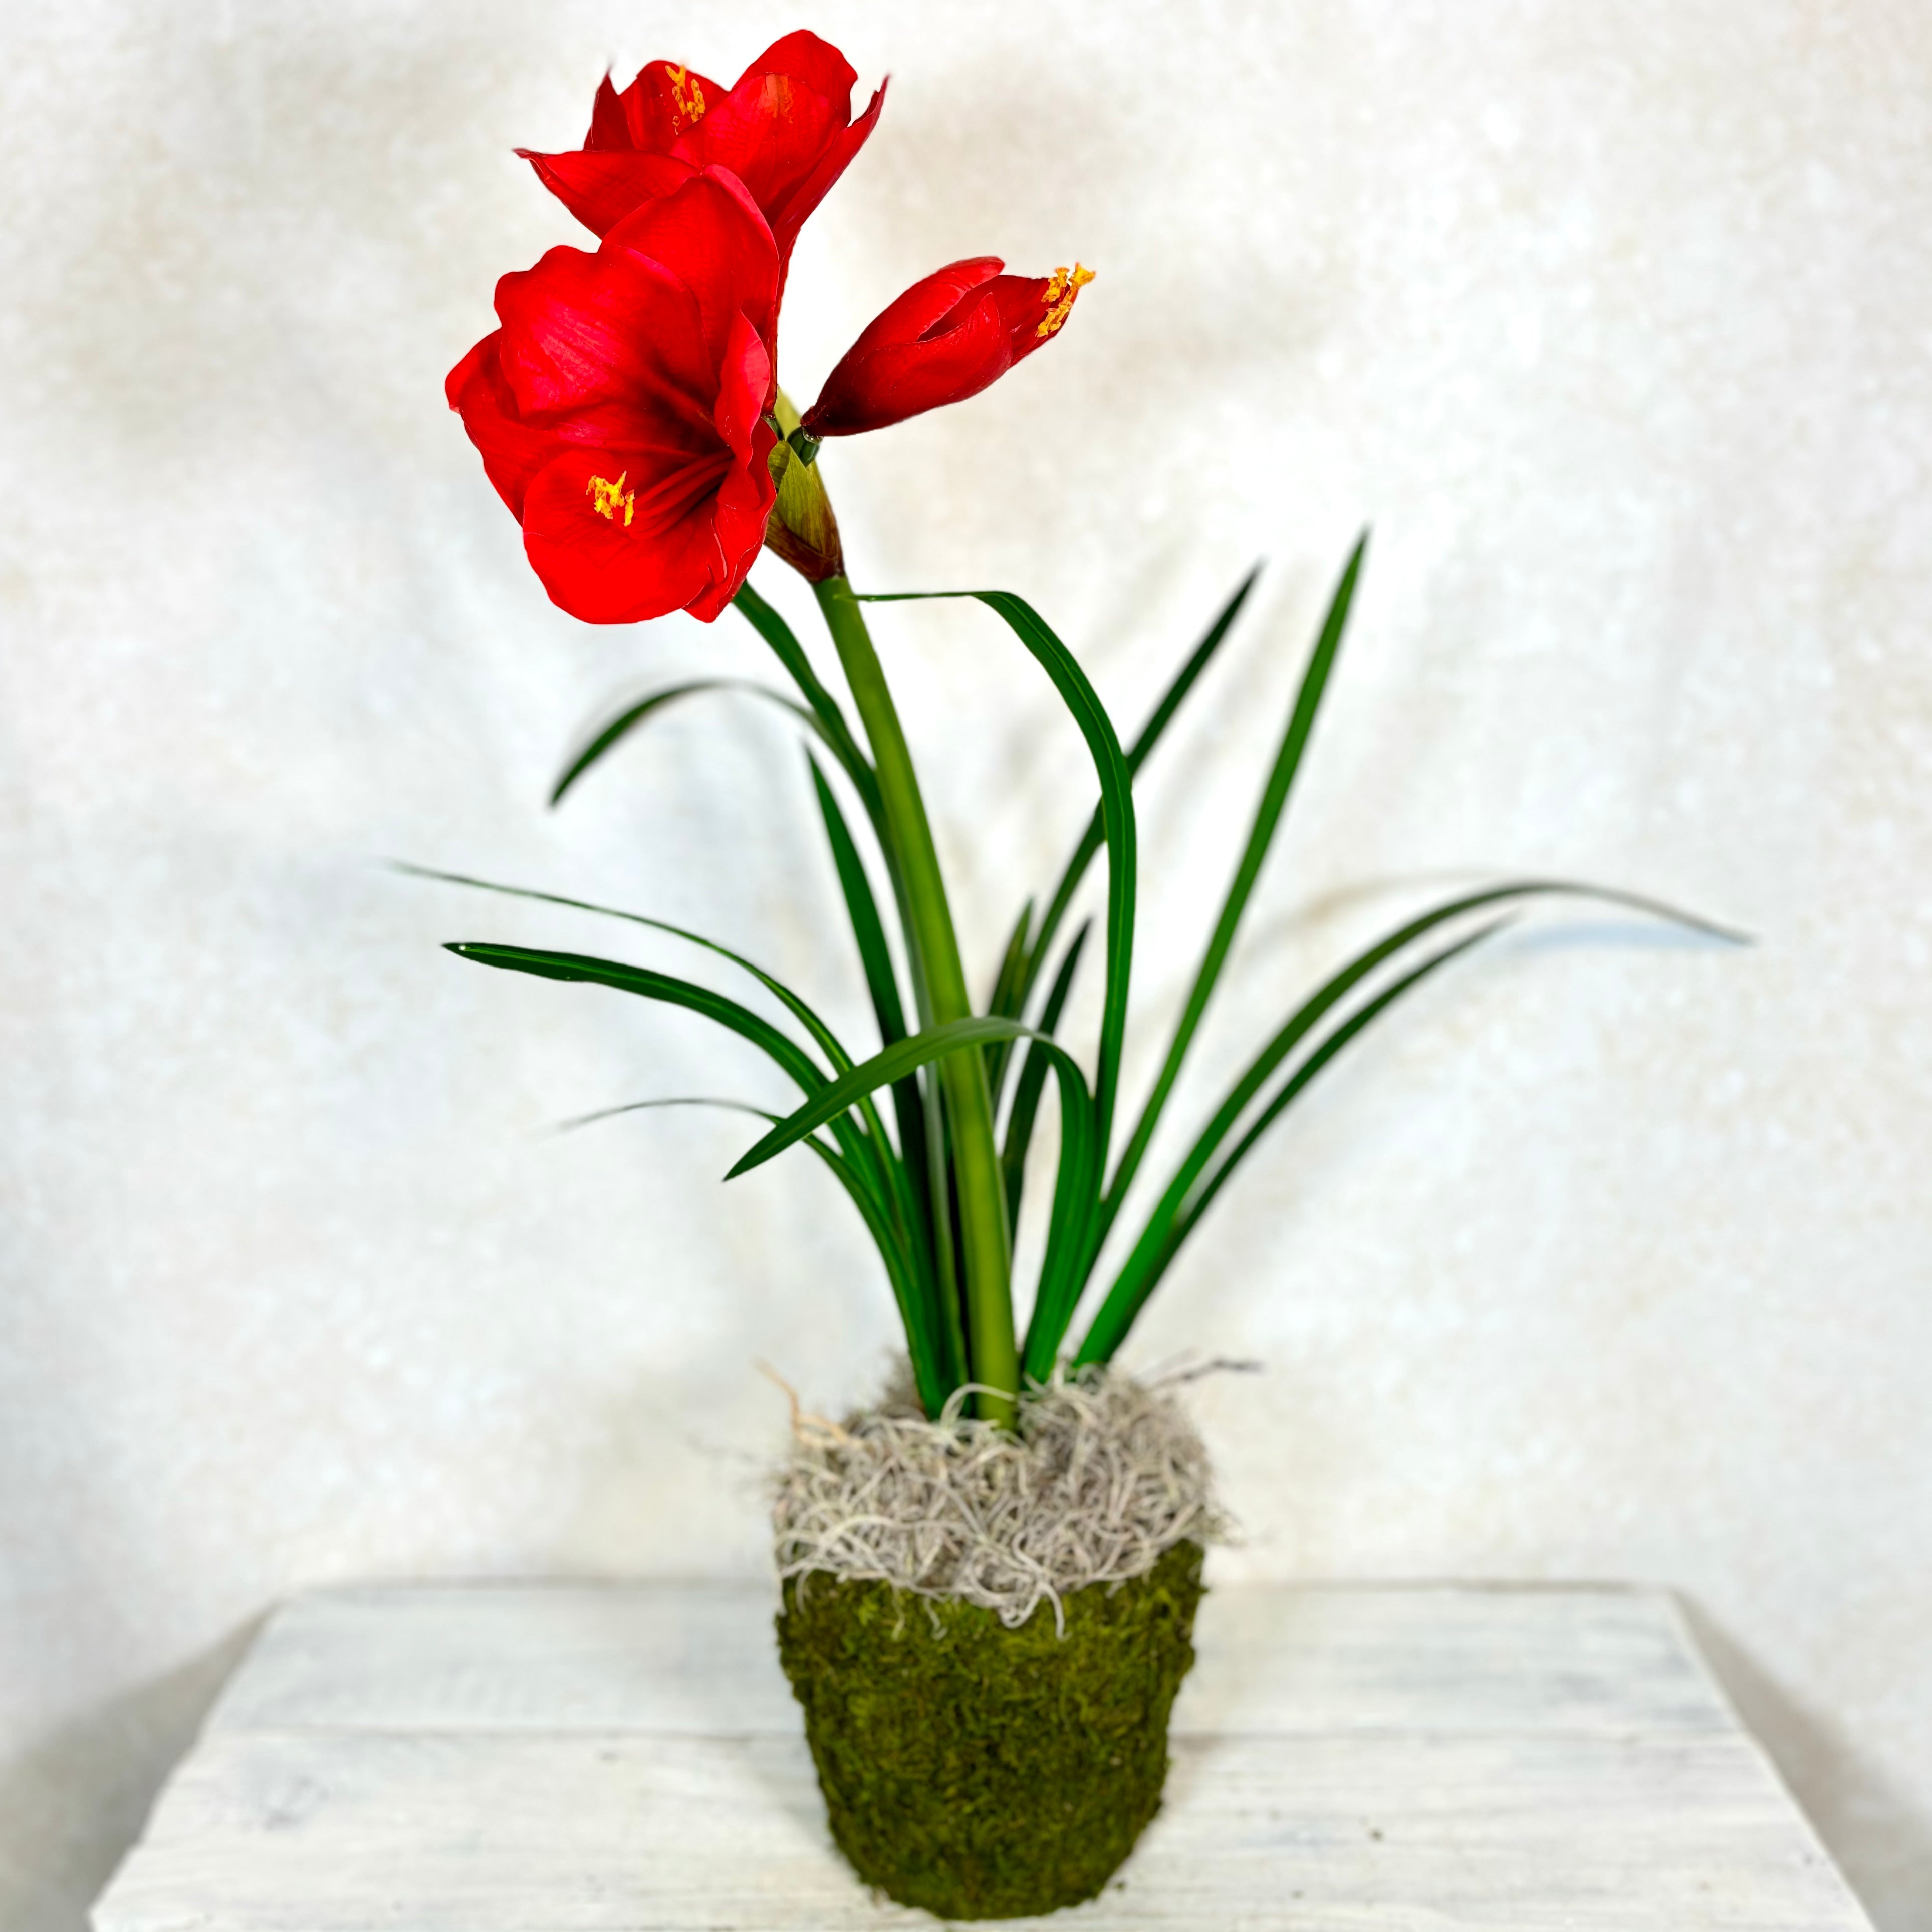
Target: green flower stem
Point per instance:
(985, 1237)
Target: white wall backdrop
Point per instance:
(1613, 1258)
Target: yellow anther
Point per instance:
(607, 498)
(1059, 296)
(687, 97)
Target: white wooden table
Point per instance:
(573, 1758)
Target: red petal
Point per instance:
(601, 569)
(743, 503)
(609, 129)
(512, 452)
(875, 386)
(745, 388)
(788, 213)
(812, 63)
(1023, 307)
(934, 300)
(600, 188)
(582, 329)
(658, 104)
(711, 236)
(784, 130)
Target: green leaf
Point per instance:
(628, 720)
(836, 732)
(1150, 736)
(915, 1313)
(1117, 806)
(1033, 1081)
(869, 931)
(863, 1143)
(1149, 1250)
(816, 1026)
(873, 1150)
(1007, 998)
(779, 1047)
(912, 1174)
(1267, 817)
(1079, 1152)
(921, 1049)
(1127, 1297)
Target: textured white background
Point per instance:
(1610, 1258)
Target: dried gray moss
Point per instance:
(1102, 1476)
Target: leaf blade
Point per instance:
(1268, 817)
(1117, 801)
(1149, 735)
(615, 730)
(1116, 1312)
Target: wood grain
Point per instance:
(586, 1758)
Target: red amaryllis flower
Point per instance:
(620, 408)
(785, 129)
(946, 338)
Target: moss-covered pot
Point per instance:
(982, 1772)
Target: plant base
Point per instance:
(982, 1772)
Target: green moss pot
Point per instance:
(981, 1772)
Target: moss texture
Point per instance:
(982, 1772)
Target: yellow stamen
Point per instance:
(687, 97)
(1059, 294)
(606, 497)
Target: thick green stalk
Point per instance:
(985, 1236)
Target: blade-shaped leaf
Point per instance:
(1127, 1297)
(921, 1049)
(1117, 806)
(1150, 736)
(911, 1175)
(1148, 1251)
(915, 1312)
(1267, 816)
(837, 734)
(1007, 998)
(872, 1150)
(813, 1024)
(865, 1148)
(778, 1047)
(627, 721)
(1033, 1080)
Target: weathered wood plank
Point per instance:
(575, 1758)
(522, 1832)
(699, 1660)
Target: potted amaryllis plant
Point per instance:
(997, 1751)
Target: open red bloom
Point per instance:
(620, 408)
(785, 129)
(946, 338)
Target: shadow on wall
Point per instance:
(72, 1804)
(1881, 1841)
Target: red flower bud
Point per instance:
(620, 408)
(946, 338)
(785, 129)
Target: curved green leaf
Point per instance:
(813, 1024)
(911, 1176)
(1149, 1249)
(1150, 736)
(627, 721)
(833, 726)
(1117, 806)
(1267, 816)
(1128, 1295)
(544, 964)
(1033, 1081)
(865, 1149)
(921, 1049)
(915, 1314)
